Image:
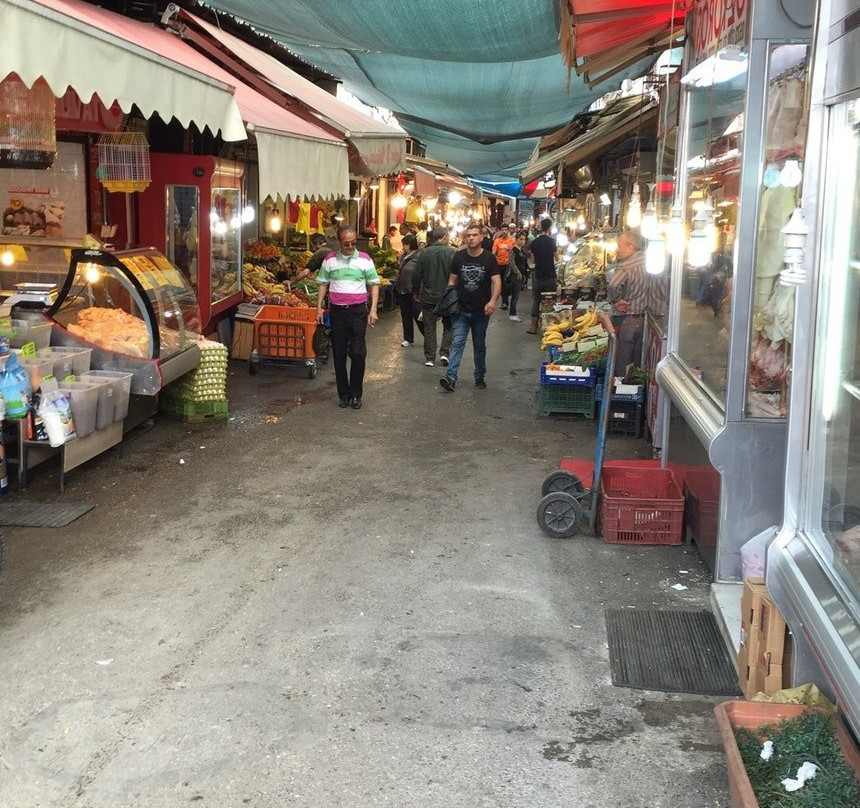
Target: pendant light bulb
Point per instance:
(675, 230)
(275, 223)
(373, 184)
(791, 176)
(655, 255)
(398, 201)
(648, 225)
(248, 214)
(634, 210)
(7, 258)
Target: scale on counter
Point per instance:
(33, 295)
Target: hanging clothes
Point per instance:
(303, 223)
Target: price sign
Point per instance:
(28, 349)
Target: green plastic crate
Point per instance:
(190, 411)
(558, 398)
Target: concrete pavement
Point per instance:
(325, 607)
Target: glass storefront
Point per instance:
(835, 421)
(715, 126)
(772, 327)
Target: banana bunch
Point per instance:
(552, 334)
(583, 323)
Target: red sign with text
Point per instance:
(717, 23)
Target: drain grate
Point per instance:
(673, 651)
(41, 514)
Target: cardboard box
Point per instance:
(753, 592)
(243, 340)
(770, 630)
(763, 654)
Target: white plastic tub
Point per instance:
(120, 388)
(85, 399)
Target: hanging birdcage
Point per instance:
(124, 162)
(28, 134)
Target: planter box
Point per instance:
(751, 715)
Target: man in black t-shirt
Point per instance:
(476, 275)
(543, 249)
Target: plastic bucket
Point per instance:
(85, 399)
(120, 388)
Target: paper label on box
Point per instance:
(596, 331)
(569, 347)
(70, 378)
(28, 349)
(586, 345)
(628, 389)
(601, 342)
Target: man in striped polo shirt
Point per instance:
(347, 275)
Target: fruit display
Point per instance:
(585, 336)
(259, 251)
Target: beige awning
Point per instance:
(380, 147)
(74, 44)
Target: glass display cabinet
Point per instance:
(135, 309)
(192, 212)
(744, 111)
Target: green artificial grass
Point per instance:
(809, 737)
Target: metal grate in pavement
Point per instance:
(41, 514)
(673, 651)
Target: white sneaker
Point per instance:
(443, 360)
(514, 319)
(428, 364)
(406, 343)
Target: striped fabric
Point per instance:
(348, 277)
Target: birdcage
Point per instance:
(124, 162)
(28, 135)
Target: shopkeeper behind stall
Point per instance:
(632, 291)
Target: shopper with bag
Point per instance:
(430, 278)
(410, 310)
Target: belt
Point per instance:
(347, 305)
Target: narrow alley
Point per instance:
(309, 606)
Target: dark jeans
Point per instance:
(409, 311)
(515, 296)
(541, 285)
(464, 323)
(348, 330)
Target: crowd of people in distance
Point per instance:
(487, 272)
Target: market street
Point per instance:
(324, 607)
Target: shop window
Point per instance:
(183, 229)
(835, 419)
(779, 193)
(715, 128)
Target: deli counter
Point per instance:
(135, 310)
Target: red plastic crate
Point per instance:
(703, 505)
(640, 506)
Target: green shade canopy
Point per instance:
(477, 82)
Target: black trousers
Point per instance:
(410, 308)
(348, 340)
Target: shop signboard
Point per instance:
(73, 115)
(716, 24)
(49, 203)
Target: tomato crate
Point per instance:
(193, 411)
(640, 506)
(285, 332)
(566, 398)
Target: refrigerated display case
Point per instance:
(135, 309)
(813, 565)
(192, 212)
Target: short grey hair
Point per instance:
(636, 239)
(438, 233)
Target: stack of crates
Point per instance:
(201, 394)
(626, 413)
(561, 393)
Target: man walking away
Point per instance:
(475, 273)
(543, 250)
(428, 282)
(347, 275)
(502, 246)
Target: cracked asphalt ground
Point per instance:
(325, 607)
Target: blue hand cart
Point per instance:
(565, 502)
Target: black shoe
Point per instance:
(447, 384)
(480, 384)
(355, 403)
(343, 403)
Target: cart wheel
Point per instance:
(254, 363)
(559, 514)
(312, 370)
(564, 481)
